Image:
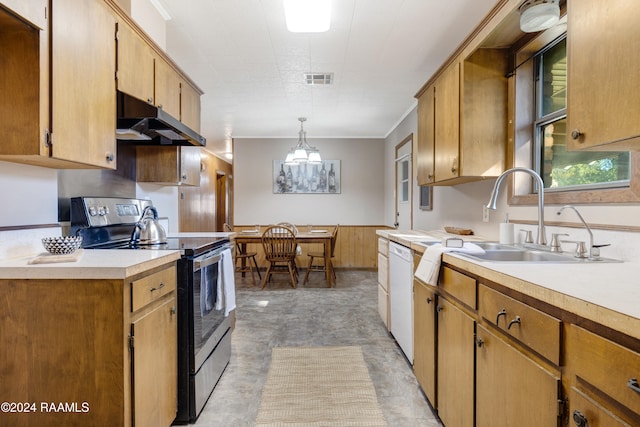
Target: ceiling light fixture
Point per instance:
(307, 16)
(303, 152)
(538, 15)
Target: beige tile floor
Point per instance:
(313, 316)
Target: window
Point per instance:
(560, 169)
(404, 181)
(539, 115)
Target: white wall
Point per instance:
(150, 20)
(461, 205)
(360, 202)
(29, 195)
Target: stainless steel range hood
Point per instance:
(143, 123)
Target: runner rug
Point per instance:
(319, 386)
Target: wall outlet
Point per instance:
(485, 213)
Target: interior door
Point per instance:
(404, 184)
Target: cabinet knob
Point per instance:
(172, 310)
(109, 157)
(184, 177)
(579, 419)
(429, 300)
(430, 177)
(514, 322)
(576, 134)
(439, 308)
(479, 342)
(150, 100)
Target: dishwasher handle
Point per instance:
(400, 251)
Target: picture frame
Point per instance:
(306, 178)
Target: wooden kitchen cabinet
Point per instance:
(424, 330)
(509, 384)
(190, 108)
(136, 59)
(155, 360)
(168, 165)
(64, 118)
(455, 366)
(167, 84)
(601, 374)
(383, 281)
(469, 120)
(426, 137)
(81, 342)
(83, 102)
(602, 112)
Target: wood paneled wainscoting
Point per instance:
(356, 246)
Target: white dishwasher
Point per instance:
(401, 297)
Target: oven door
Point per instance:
(208, 307)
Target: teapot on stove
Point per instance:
(148, 231)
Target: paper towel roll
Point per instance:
(506, 233)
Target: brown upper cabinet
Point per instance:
(168, 165)
(462, 120)
(144, 74)
(603, 79)
(74, 127)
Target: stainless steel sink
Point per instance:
(506, 253)
(495, 246)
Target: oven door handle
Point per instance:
(199, 264)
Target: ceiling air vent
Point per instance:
(318, 78)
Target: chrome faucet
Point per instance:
(541, 238)
(594, 250)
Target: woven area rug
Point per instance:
(319, 386)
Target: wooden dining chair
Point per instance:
(243, 259)
(321, 256)
(279, 243)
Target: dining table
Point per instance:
(245, 237)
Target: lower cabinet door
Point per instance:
(155, 366)
(455, 365)
(512, 389)
(424, 339)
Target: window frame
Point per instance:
(522, 119)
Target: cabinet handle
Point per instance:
(579, 419)
(158, 288)
(576, 134)
(439, 308)
(160, 106)
(109, 157)
(184, 177)
(150, 100)
(454, 165)
(429, 300)
(513, 322)
(430, 177)
(502, 312)
(633, 385)
(172, 310)
(479, 342)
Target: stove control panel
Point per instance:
(102, 211)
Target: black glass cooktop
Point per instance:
(187, 245)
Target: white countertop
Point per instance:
(607, 293)
(93, 264)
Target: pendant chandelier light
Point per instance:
(303, 152)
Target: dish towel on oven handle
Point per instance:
(429, 267)
(226, 283)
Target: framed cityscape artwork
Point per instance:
(322, 178)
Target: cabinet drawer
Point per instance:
(383, 246)
(383, 271)
(536, 329)
(582, 407)
(458, 285)
(149, 288)
(604, 364)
